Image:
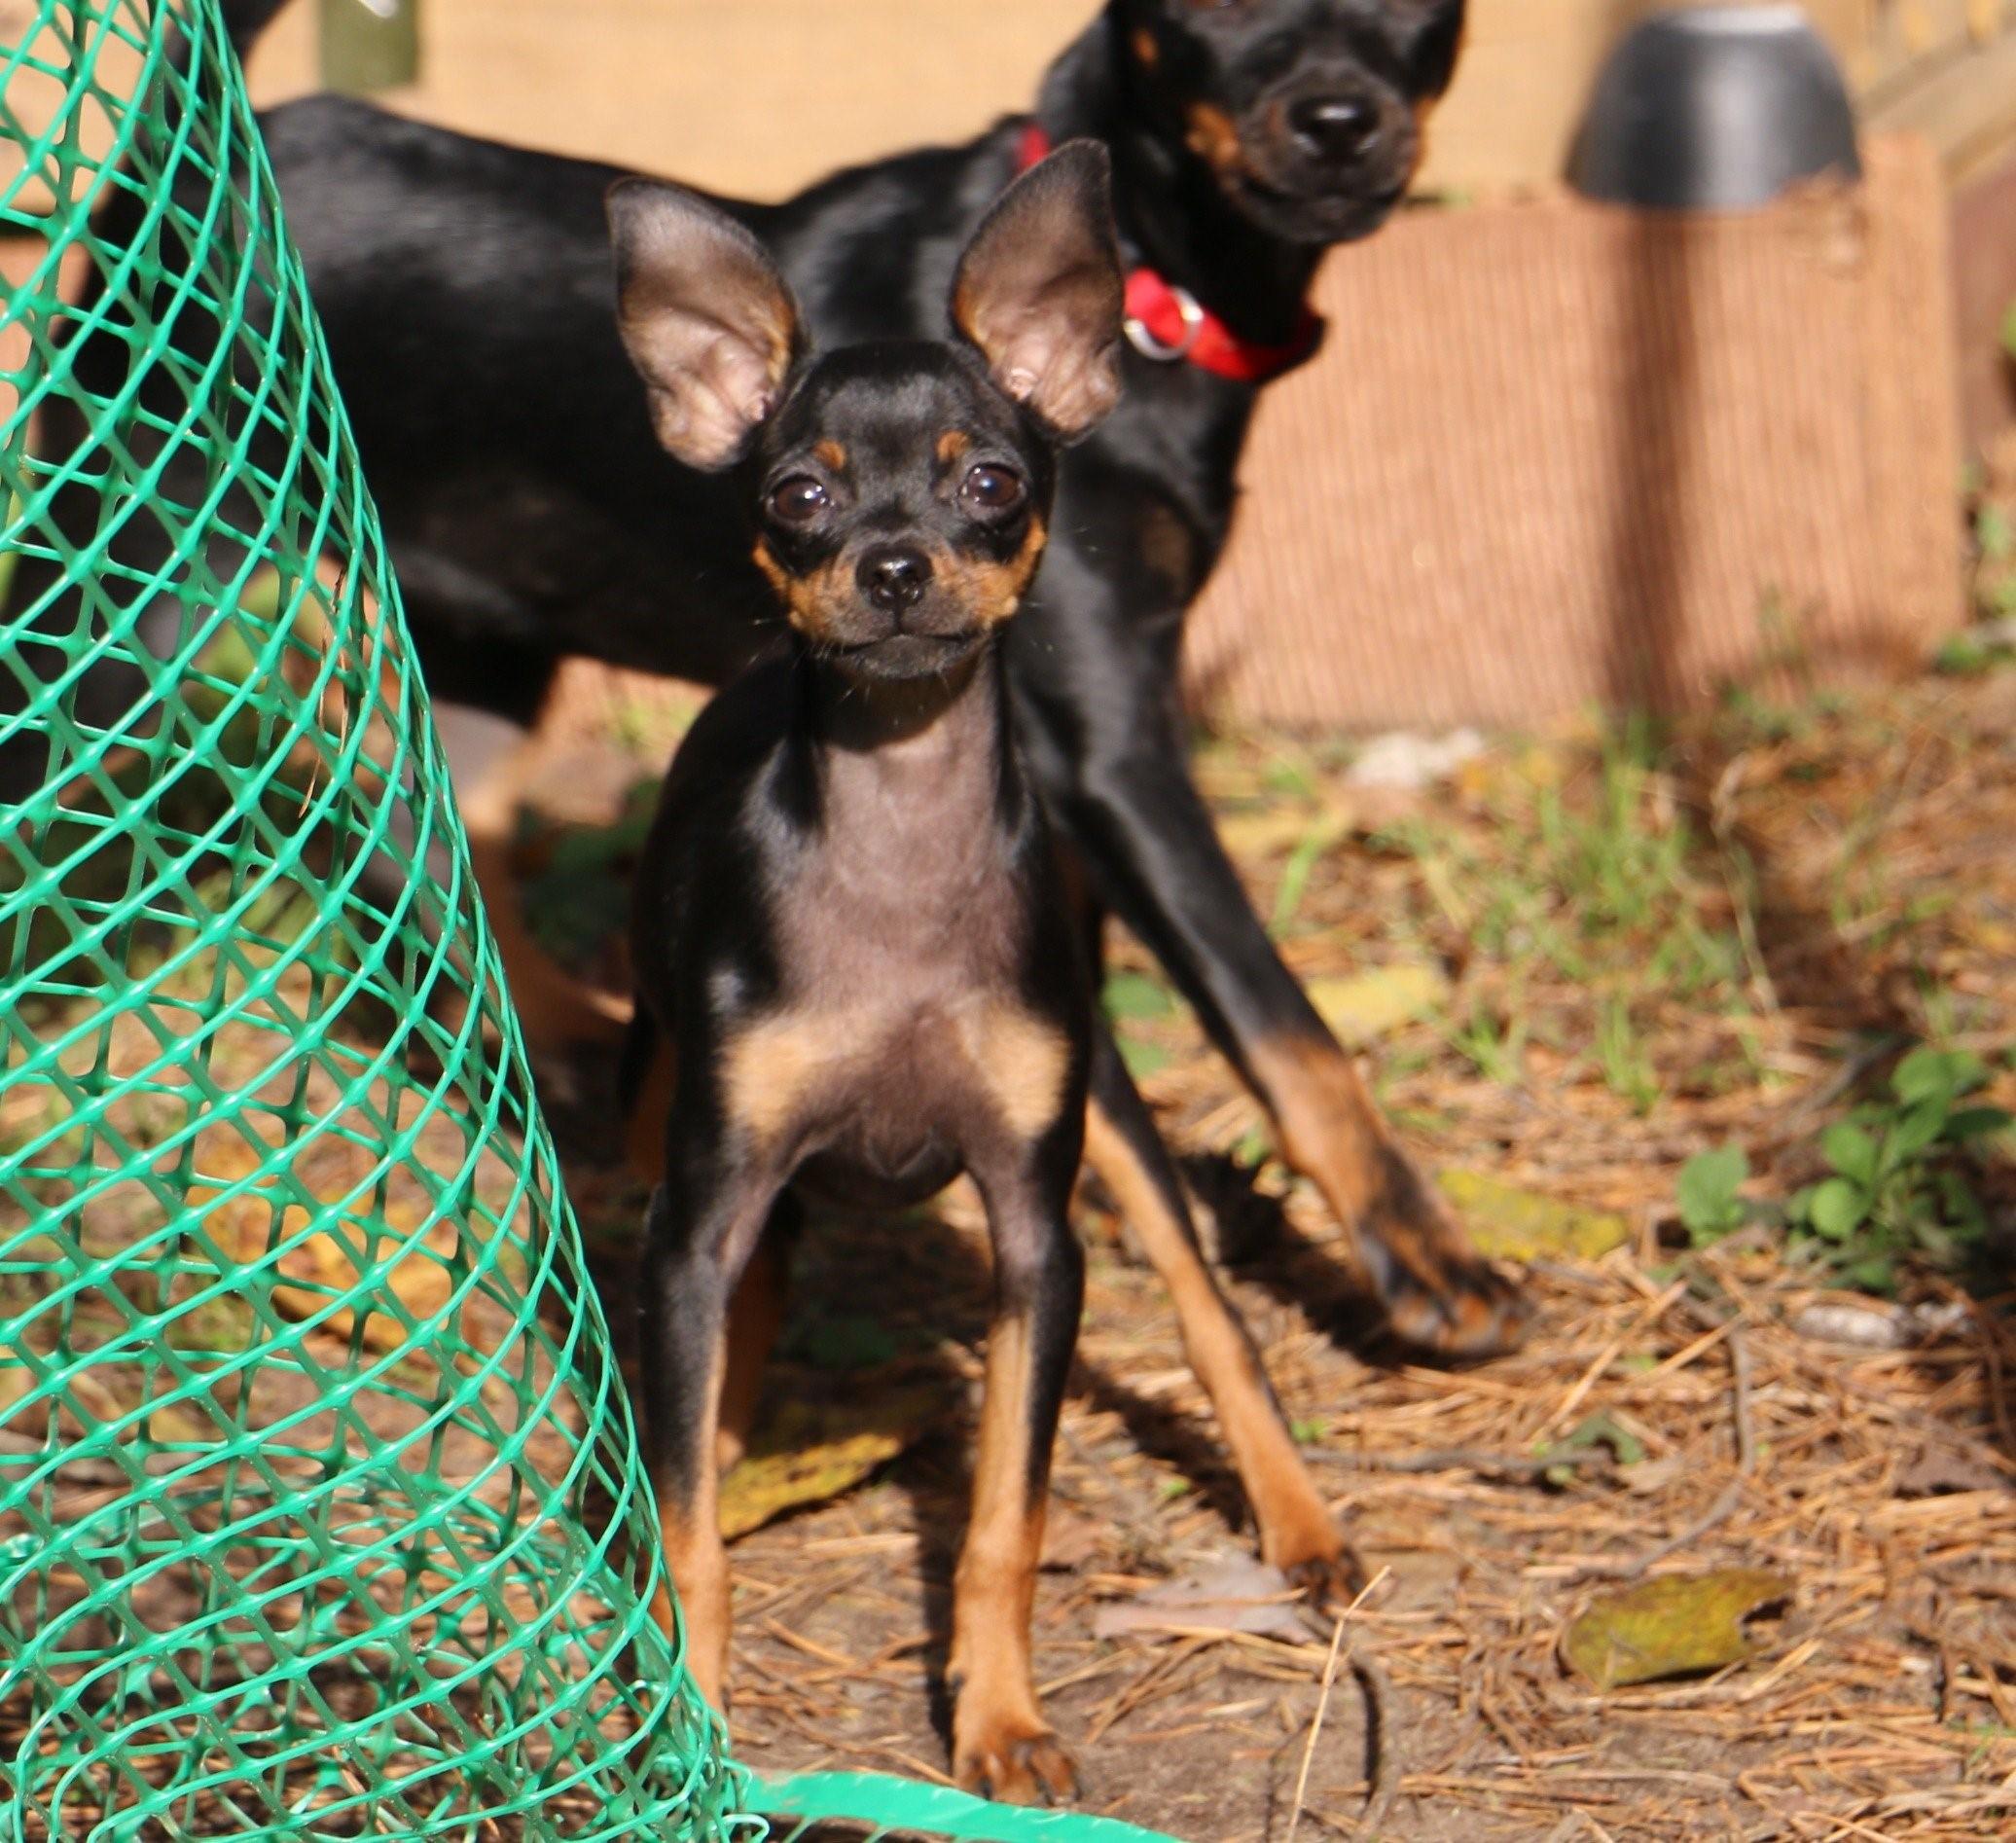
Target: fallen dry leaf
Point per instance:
(1510, 1225)
(1669, 1628)
(1238, 1595)
(313, 1268)
(1369, 1005)
(1272, 831)
(812, 1449)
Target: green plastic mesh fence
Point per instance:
(319, 1506)
(320, 1510)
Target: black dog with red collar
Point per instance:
(465, 290)
(1168, 323)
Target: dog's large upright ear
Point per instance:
(1040, 290)
(706, 319)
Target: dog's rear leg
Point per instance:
(1143, 830)
(493, 763)
(1297, 1533)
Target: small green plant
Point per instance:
(1496, 1049)
(1628, 1070)
(1597, 1432)
(1900, 1177)
(1711, 1203)
(1898, 1183)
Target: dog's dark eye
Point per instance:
(991, 488)
(799, 500)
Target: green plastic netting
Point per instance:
(320, 1508)
(319, 1504)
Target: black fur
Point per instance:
(465, 289)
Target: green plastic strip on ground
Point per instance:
(893, 1804)
(320, 1507)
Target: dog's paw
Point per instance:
(1327, 1583)
(1440, 1295)
(1014, 1762)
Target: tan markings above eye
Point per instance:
(951, 445)
(829, 454)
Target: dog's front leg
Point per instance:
(1001, 1745)
(702, 1229)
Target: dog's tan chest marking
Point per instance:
(1020, 1061)
(786, 1071)
(770, 1067)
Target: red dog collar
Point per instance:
(1168, 323)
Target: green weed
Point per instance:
(1603, 884)
(1628, 1070)
(1901, 1180)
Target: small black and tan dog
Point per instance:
(463, 286)
(849, 917)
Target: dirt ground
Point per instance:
(1575, 962)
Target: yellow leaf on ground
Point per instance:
(344, 1258)
(1510, 1225)
(810, 1451)
(1371, 1004)
(1275, 829)
(1669, 1628)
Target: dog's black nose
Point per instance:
(1334, 129)
(893, 576)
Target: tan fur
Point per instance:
(775, 1066)
(951, 445)
(1296, 1529)
(991, 592)
(999, 1737)
(1330, 1132)
(1023, 1062)
(772, 1065)
(994, 591)
(1329, 1129)
(1213, 138)
(696, 1561)
(1147, 52)
(1167, 547)
(831, 453)
(807, 599)
(773, 571)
